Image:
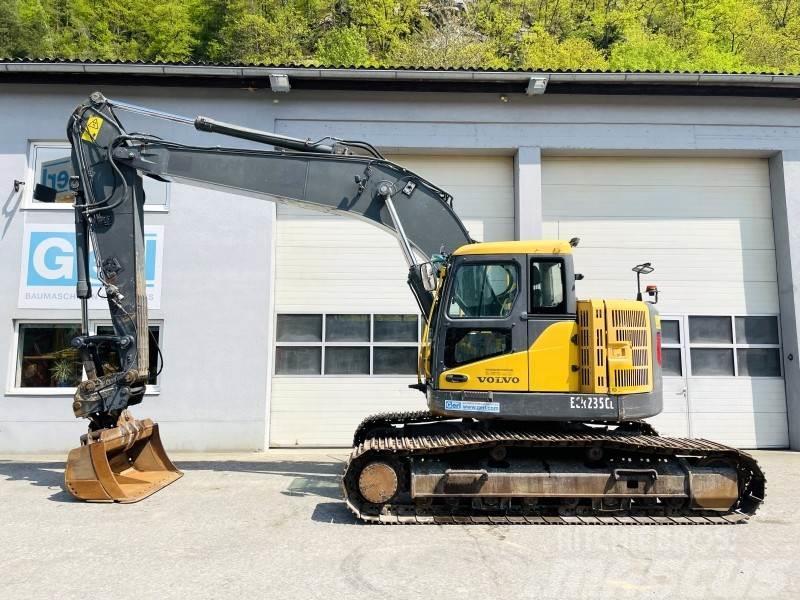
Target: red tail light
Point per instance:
(658, 347)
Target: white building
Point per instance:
(286, 328)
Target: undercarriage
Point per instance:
(421, 468)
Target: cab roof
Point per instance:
(516, 247)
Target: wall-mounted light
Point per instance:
(537, 85)
(504, 99)
(279, 82)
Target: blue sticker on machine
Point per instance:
(489, 407)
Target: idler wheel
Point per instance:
(377, 482)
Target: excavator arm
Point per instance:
(120, 458)
(341, 177)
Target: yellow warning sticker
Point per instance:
(92, 130)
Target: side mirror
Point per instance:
(428, 276)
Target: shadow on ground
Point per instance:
(307, 478)
(44, 474)
(334, 512)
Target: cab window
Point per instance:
(484, 290)
(547, 286)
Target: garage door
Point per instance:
(706, 225)
(347, 326)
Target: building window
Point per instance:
(727, 346)
(712, 361)
(395, 328)
(46, 359)
(671, 360)
(758, 346)
(346, 344)
(51, 166)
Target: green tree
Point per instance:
(170, 32)
(707, 35)
(260, 31)
(24, 29)
(9, 28)
(541, 50)
(644, 51)
(386, 23)
(453, 45)
(346, 46)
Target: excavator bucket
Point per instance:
(126, 463)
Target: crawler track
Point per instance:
(400, 437)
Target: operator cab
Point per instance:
(504, 337)
(497, 299)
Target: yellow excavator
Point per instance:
(535, 400)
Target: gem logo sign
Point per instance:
(49, 269)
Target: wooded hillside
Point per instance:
(657, 35)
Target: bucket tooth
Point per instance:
(126, 463)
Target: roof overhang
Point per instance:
(394, 79)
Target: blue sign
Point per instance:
(465, 406)
(50, 270)
(51, 259)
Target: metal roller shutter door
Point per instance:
(706, 225)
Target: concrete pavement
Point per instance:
(272, 525)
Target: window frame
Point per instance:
(322, 344)
(733, 346)
(28, 203)
(12, 389)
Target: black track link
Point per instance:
(386, 420)
(381, 423)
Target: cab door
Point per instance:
(482, 341)
(551, 324)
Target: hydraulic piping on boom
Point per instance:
(536, 399)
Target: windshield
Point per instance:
(483, 290)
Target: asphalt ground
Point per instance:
(272, 525)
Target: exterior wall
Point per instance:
(785, 182)
(236, 303)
